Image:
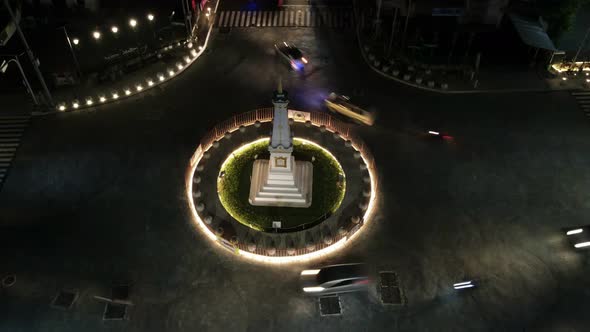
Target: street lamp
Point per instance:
(3, 68)
(76, 41)
(150, 17)
(133, 23)
(114, 29)
(32, 58)
(96, 35)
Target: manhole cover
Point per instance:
(330, 305)
(64, 299)
(390, 291)
(114, 311)
(388, 279)
(9, 280)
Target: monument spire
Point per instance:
(280, 180)
(281, 132)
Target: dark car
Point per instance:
(335, 279)
(292, 55)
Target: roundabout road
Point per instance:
(99, 196)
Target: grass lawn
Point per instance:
(327, 192)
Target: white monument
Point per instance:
(281, 180)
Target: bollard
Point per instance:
(200, 207)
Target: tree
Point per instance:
(560, 14)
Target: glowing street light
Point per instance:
(89, 101)
(150, 17)
(114, 29)
(76, 41)
(127, 92)
(75, 104)
(133, 23)
(115, 95)
(463, 285)
(179, 65)
(171, 72)
(95, 35)
(150, 82)
(102, 99)
(139, 87)
(62, 107)
(574, 231)
(161, 77)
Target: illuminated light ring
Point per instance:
(340, 244)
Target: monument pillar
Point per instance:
(281, 181)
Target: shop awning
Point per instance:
(532, 33)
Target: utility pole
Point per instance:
(79, 72)
(14, 59)
(581, 45)
(406, 25)
(377, 21)
(187, 19)
(32, 58)
(390, 46)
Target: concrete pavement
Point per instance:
(102, 197)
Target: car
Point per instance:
(341, 104)
(579, 237)
(335, 279)
(292, 55)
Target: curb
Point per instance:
(158, 80)
(424, 88)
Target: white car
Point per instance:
(335, 279)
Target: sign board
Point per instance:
(447, 11)
(299, 116)
(276, 224)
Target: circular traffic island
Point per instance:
(341, 193)
(233, 187)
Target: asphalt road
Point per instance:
(98, 197)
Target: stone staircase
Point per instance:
(285, 190)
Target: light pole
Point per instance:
(187, 19)
(581, 45)
(14, 59)
(32, 58)
(73, 53)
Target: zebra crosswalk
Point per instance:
(583, 99)
(11, 131)
(329, 18)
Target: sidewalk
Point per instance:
(171, 61)
(456, 78)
